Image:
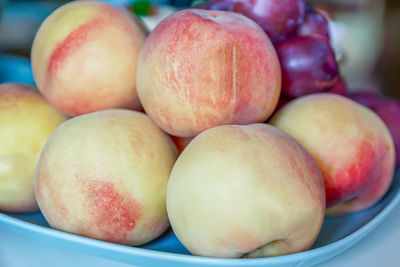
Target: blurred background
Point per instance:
(365, 34)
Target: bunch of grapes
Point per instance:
(301, 37)
(300, 34)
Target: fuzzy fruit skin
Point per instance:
(104, 175)
(199, 69)
(350, 143)
(26, 121)
(245, 191)
(84, 57)
(386, 108)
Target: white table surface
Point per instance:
(380, 248)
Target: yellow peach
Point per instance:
(84, 57)
(245, 191)
(199, 69)
(26, 121)
(104, 175)
(350, 143)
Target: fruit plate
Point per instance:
(24, 237)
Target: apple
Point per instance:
(26, 121)
(104, 175)
(350, 143)
(84, 57)
(245, 191)
(199, 69)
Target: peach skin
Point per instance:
(199, 69)
(245, 191)
(84, 57)
(104, 175)
(350, 143)
(26, 121)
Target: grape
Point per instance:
(339, 88)
(217, 5)
(283, 100)
(280, 19)
(308, 65)
(366, 98)
(314, 23)
(387, 109)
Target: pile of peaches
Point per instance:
(133, 132)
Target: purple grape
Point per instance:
(339, 87)
(389, 111)
(217, 5)
(314, 23)
(308, 65)
(366, 98)
(280, 19)
(283, 100)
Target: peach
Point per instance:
(84, 57)
(350, 143)
(388, 109)
(245, 191)
(26, 121)
(104, 175)
(199, 69)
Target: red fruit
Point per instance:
(387, 109)
(280, 19)
(308, 65)
(314, 23)
(366, 98)
(339, 88)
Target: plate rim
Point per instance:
(144, 253)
